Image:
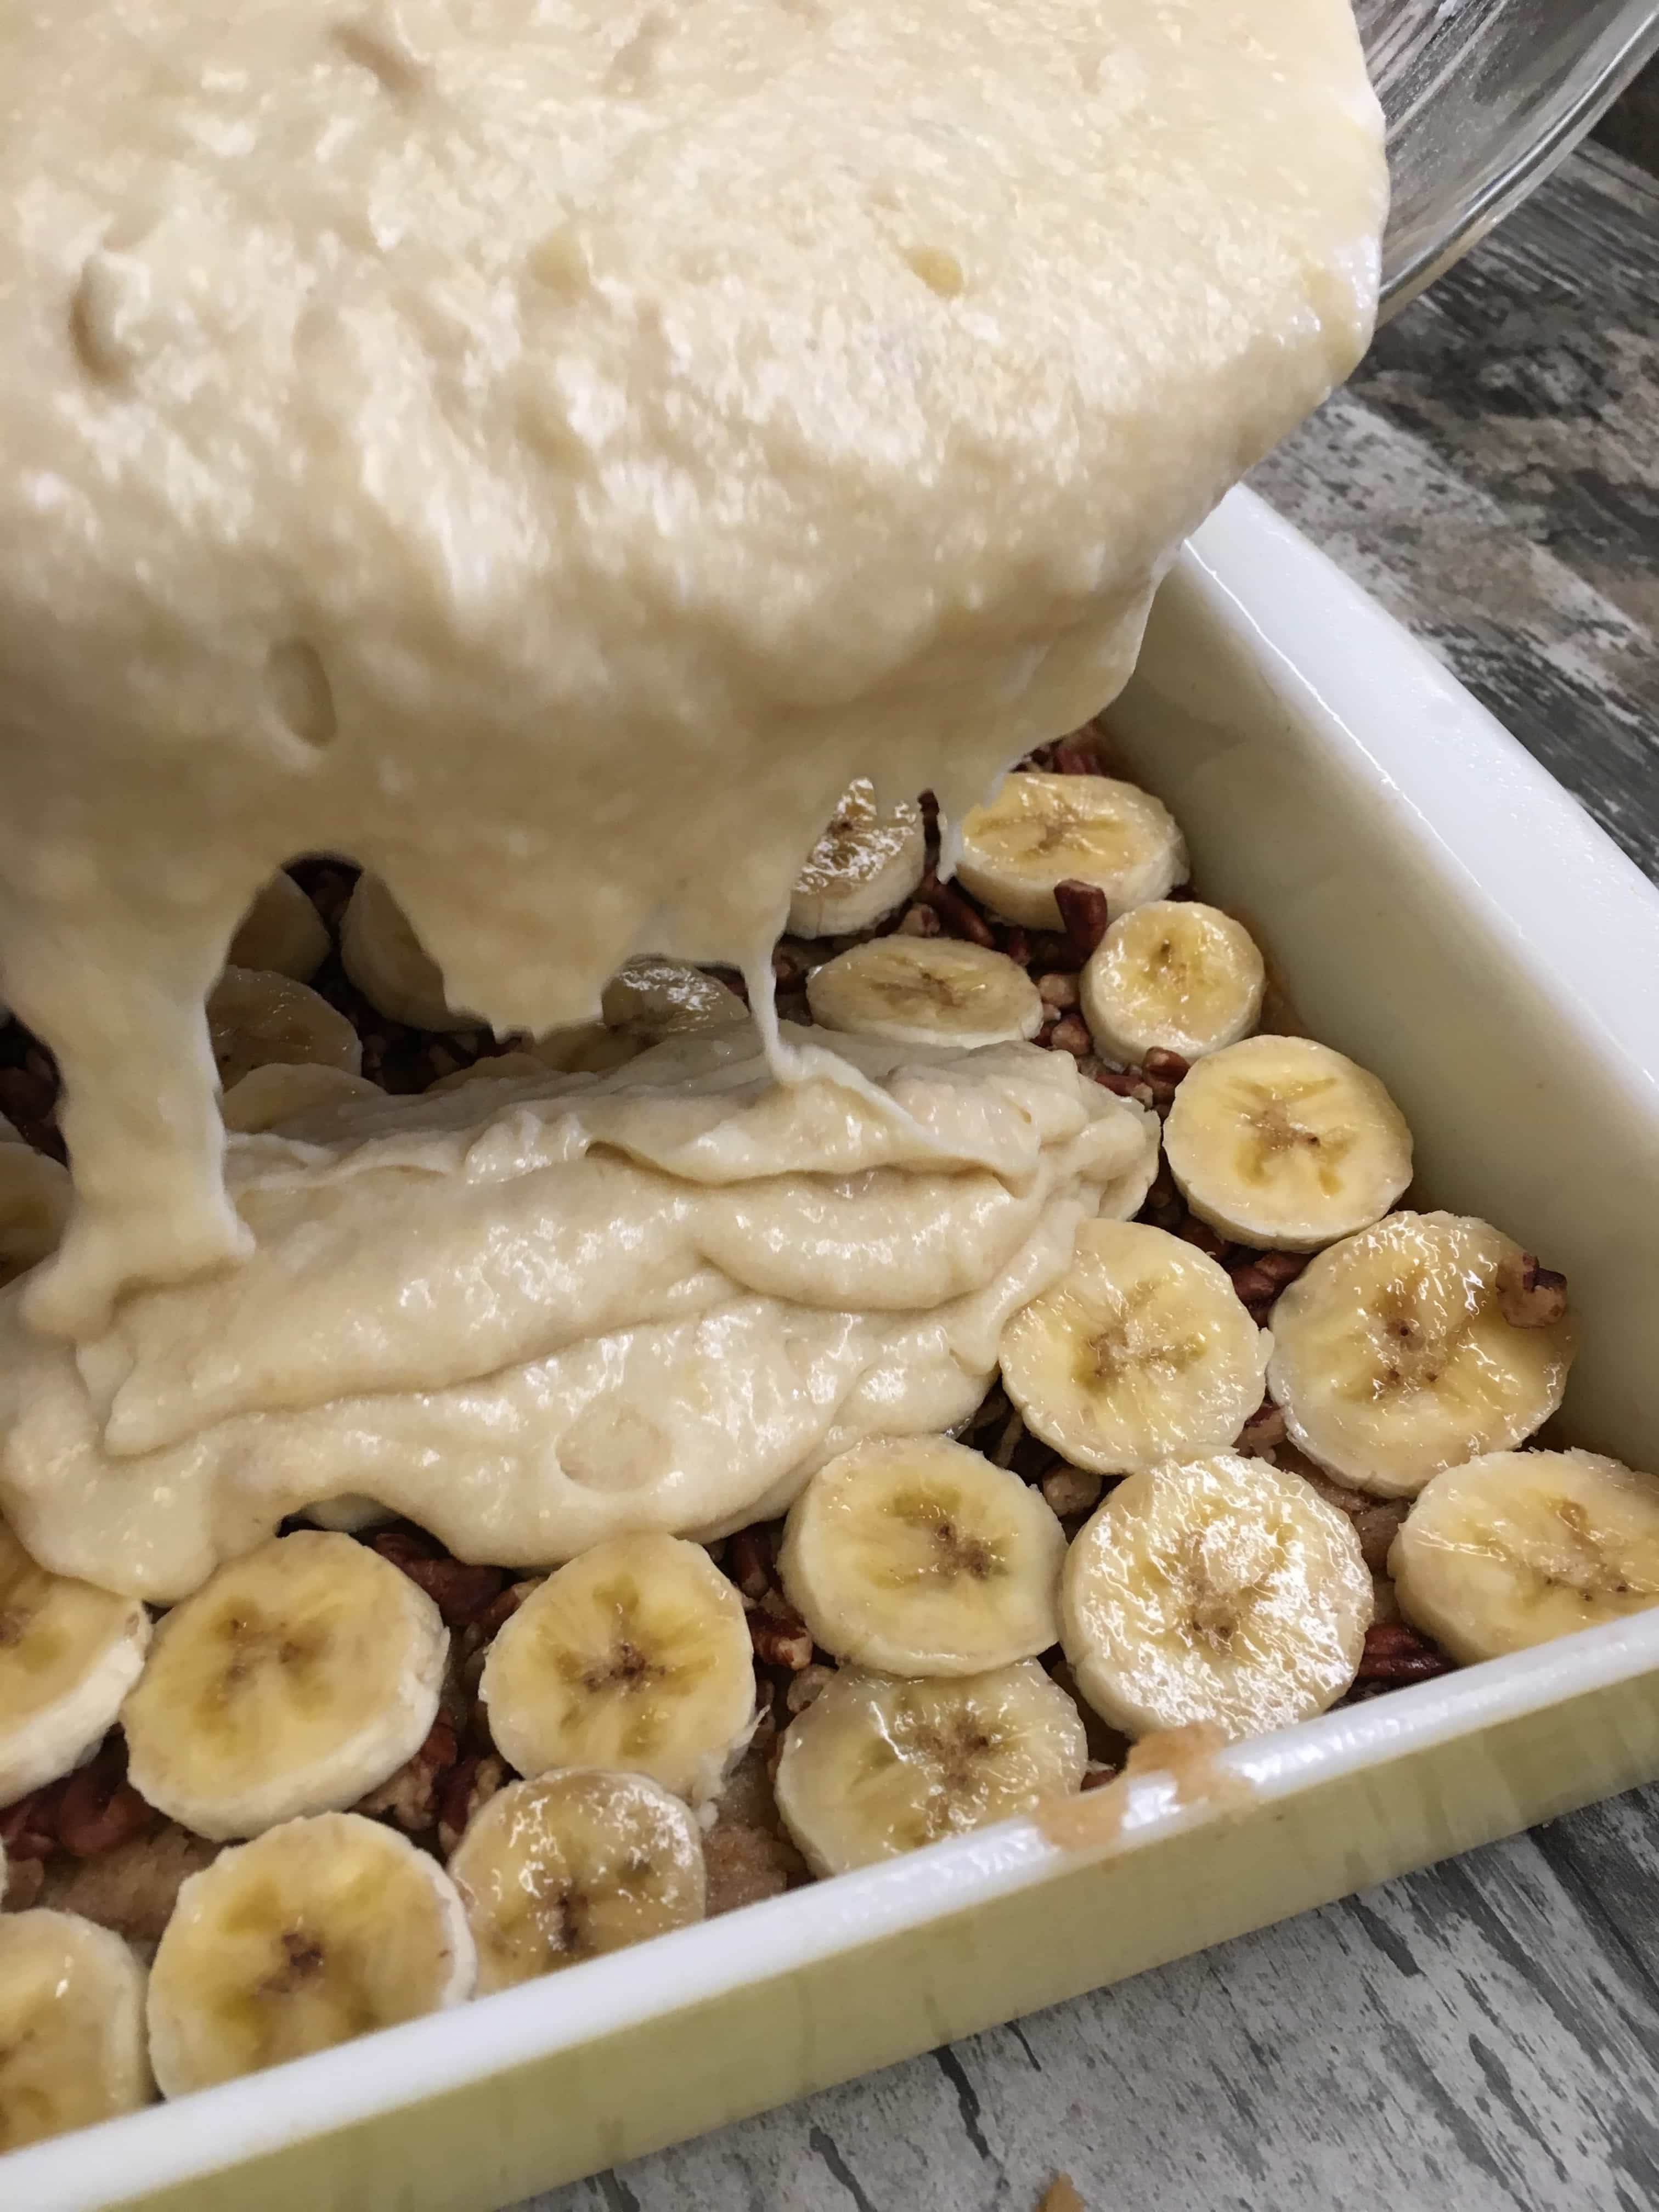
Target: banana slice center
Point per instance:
(1223, 1574)
(257, 1641)
(1127, 1340)
(1275, 1132)
(948, 1754)
(1417, 1337)
(945, 1551)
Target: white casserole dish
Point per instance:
(1438, 907)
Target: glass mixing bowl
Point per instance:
(1483, 98)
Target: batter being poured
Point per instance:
(549, 451)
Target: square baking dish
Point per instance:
(1432, 903)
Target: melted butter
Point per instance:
(550, 463)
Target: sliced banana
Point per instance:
(569, 1865)
(69, 1654)
(1140, 1353)
(281, 930)
(876, 1766)
(588, 1048)
(917, 1556)
(34, 1204)
(1516, 1547)
(1393, 1359)
(389, 964)
(634, 1655)
(868, 861)
(318, 1931)
(71, 2027)
(1172, 976)
(927, 991)
(296, 1680)
(256, 1018)
(1042, 829)
(1214, 1590)
(497, 1068)
(1281, 1142)
(267, 1096)
(652, 998)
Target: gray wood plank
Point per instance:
(1487, 2032)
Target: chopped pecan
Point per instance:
(804, 1686)
(1163, 1066)
(502, 1610)
(1059, 992)
(412, 1797)
(1396, 1653)
(1016, 943)
(1125, 1084)
(1163, 1206)
(99, 1808)
(1528, 1296)
(957, 912)
(1376, 1523)
(461, 1592)
(470, 1785)
(749, 1561)
(920, 921)
(1202, 1237)
(1264, 1429)
(779, 1636)
(1071, 1034)
(1084, 914)
(1069, 1490)
(1069, 758)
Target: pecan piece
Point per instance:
(1528, 1296)
(1069, 1490)
(1396, 1653)
(471, 1785)
(779, 1636)
(100, 1807)
(960, 917)
(1068, 757)
(461, 1592)
(1071, 1034)
(28, 1829)
(749, 1561)
(411, 1798)
(1085, 913)
(1058, 991)
(1265, 1428)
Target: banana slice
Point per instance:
(866, 863)
(296, 1680)
(71, 2027)
(267, 1096)
(498, 1067)
(318, 1931)
(282, 931)
(1176, 977)
(1140, 1353)
(919, 1557)
(1281, 1142)
(1214, 1590)
(634, 1655)
(569, 1865)
(34, 1204)
(652, 998)
(1517, 1548)
(69, 1654)
(1393, 1359)
(256, 1018)
(1042, 829)
(926, 990)
(389, 964)
(588, 1048)
(876, 1766)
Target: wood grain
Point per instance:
(1486, 2034)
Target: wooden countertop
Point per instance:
(1484, 2034)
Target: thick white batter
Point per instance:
(547, 448)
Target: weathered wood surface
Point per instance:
(1484, 2034)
